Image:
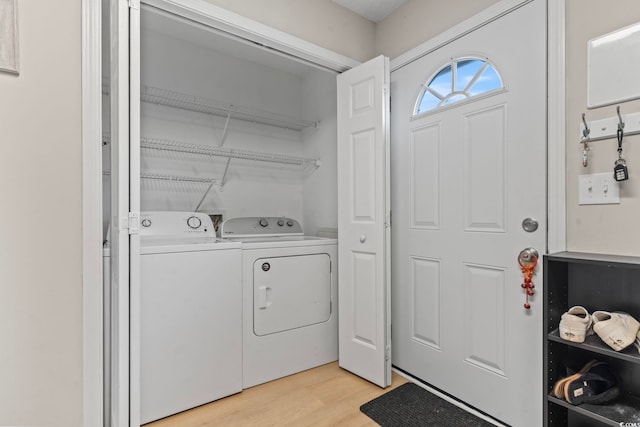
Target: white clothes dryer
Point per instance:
(290, 292)
(190, 314)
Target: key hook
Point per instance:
(620, 132)
(620, 122)
(586, 131)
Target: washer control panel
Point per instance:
(176, 224)
(261, 226)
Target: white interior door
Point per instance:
(119, 94)
(125, 206)
(363, 214)
(464, 177)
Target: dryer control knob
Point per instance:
(290, 222)
(194, 222)
(263, 222)
(281, 222)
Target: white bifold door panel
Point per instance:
(123, 396)
(291, 292)
(363, 214)
(465, 178)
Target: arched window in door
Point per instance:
(459, 80)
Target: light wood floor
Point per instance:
(323, 396)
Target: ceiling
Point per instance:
(373, 10)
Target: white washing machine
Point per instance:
(190, 314)
(290, 292)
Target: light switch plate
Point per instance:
(598, 189)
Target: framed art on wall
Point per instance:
(9, 36)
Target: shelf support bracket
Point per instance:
(226, 129)
(226, 170)
(204, 196)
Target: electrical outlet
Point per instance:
(598, 189)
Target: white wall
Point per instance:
(322, 22)
(321, 186)
(40, 221)
(599, 228)
(420, 20)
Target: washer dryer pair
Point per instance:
(290, 289)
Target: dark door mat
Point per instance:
(411, 405)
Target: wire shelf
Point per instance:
(213, 151)
(200, 104)
(176, 178)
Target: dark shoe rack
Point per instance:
(596, 282)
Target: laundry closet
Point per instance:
(229, 130)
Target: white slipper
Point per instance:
(617, 330)
(575, 324)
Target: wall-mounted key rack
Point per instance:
(608, 128)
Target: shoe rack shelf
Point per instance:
(624, 408)
(596, 282)
(594, 344)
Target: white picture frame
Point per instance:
(9, 61)
(613, 63)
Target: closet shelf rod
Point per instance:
(200, 104)
(176, 178)
(183, 147)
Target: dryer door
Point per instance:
(290, 292)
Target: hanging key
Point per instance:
(620, 172)
(585, 141)
(585, 153)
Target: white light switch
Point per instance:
(598, 189)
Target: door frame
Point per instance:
(92, 302)
(92, 327)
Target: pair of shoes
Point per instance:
(558, 388)
(575, 324)
(617, 330)
(595, 383)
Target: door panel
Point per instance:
(425, 287)
(484, 155)
(485, 337)
(119, 395)
(124, 369)
(363, 210)
(363, 154)
(463, 179)
(425, 177)
(291, 292)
